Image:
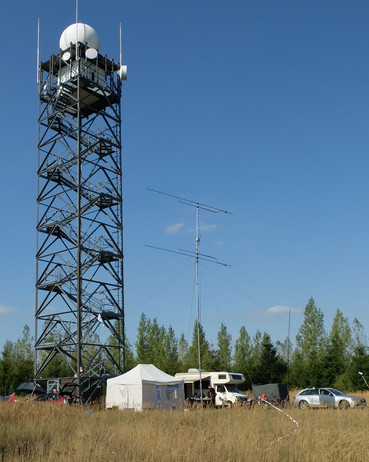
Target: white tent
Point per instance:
(145, 387)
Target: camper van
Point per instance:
(224, 384)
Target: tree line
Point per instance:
(317, 358)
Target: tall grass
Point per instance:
(56, 432)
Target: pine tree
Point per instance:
(285, 350)
(57, 366)
(223, 355)
(207, 356)
(8, 376)
(359, 339)
(311, 343)
(270, 367)
(115, 351)
(242, 355)
(24, 359)
(130, 358)
(359, 359)
(156, 344)
(336, 357)
(253, 363)
(16, 364)
(143, 341)
(182, 353)
(171, 363)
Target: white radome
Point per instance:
(79, 33)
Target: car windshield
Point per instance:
(336, 392)
(232, 387)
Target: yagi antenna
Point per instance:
(209, 208)
(189, 253)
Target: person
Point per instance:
(212, 395)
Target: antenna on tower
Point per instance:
(123, 69)
(120, 43)
(77, 46)
(38, 51)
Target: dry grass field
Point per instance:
(56, 432)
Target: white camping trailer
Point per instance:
(224, 384)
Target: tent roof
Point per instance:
(145, 373)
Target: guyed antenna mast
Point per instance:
(198, 256)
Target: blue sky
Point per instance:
(256, 107)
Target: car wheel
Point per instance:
(303, 404)
(343, 404)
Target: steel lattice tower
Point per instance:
(79, 262)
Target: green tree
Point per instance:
(24, 358)
(311, 341)
(223, 355)
(130, 358)
(270, 366)
(156, 344)
(58, 365)
(242, 355)
(24, 345)
(359, 358)
(256, 344)
(171, 362)
(182, 353)
(359, 339)
(142, 344)
(8, 376)
(253, 363)
(207, 355)
(115, 350)
(16, 364)
(336, 358)
(285, 350)
(297, 375)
